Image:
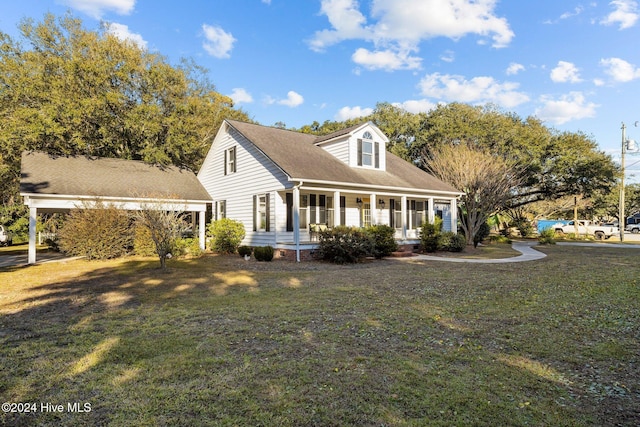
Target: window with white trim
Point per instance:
(229, 160)
(261, 212)
(221, 209)
(368, 151)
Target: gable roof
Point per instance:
(338, 133)
(46, 174)
(298, 157)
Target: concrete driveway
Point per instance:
(13, 260)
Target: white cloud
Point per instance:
(97, 8)
(122, 32)
(576, 11)
(398, 26)
(514, 68)
(572, 106)
(620, 70)
(416, 105)
(565, 72)
(448, 56)
(218, 42)
(346, 20)
(414, 20)
(387, 60)
(240, 96)
(625, 14)
(292, 100)
(481, 89)
(347, 113)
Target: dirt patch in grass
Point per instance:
(222, 341)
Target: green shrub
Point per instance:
(98, 231)
(226, 235)
(263, 253)
(524, 226)
(142, 242)
(186, 246)
(452, 242)
(430, 235)
(547, 237)
(499, 238)
(245, 250)
(343, 245)
(482, 234)
(383, 239)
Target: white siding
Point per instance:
(445, 207)
(338, 149)
(255, 174)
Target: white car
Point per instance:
(5, 237)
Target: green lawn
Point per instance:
(221, 341)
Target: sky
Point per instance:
(575, 65)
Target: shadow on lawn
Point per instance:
(68, 327)
(387, 350)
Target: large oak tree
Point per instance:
(68, 90)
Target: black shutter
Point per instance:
(359, 152)
(392, 213)
(255, 212)
(289, 212)
(225, 162)
(233, 159)
(343, 214)
(267, 212)
(377, 154)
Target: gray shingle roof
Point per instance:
(297, 155)
(42, 173)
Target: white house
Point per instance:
(283, 185)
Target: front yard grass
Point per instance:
(221, 341)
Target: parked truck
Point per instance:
(585, 227)
(633, 224)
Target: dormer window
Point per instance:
(368, 151)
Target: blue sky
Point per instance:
(573, 64)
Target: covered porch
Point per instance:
(308, 209)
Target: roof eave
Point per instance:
(373, 186)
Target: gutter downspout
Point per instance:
(296, 218)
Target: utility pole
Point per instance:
(622, 222)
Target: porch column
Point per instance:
(431, 215)
(201, 230)
(374, 209)
(404, 217)
(336, 208)
(454, 215)
(296, 219)
(33, 215)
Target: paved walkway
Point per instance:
(527, 253)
